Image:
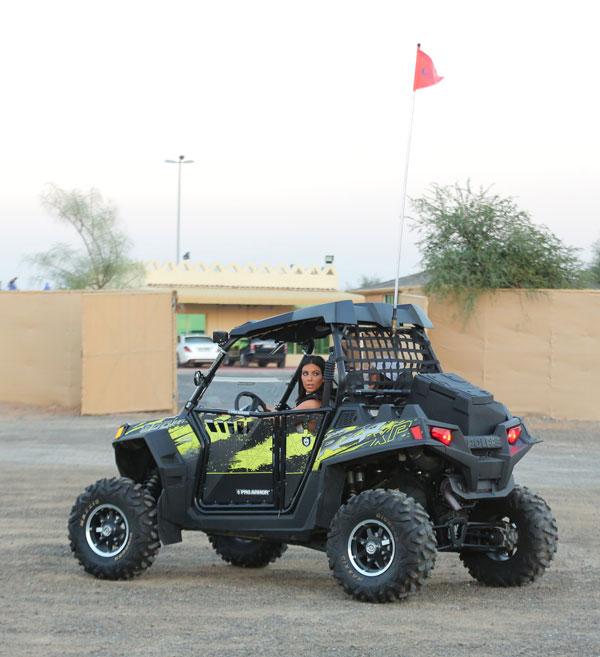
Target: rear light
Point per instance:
(513, 434)
(252, 347)
(417, 434)
(443, 435)
(186, 348)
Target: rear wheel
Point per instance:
(530, 540)
(381, 546)
(112, 529)
(246, 552)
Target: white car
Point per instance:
(196, 350)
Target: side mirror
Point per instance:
(198, 378)
(220, 337)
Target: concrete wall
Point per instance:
(40, 348)
(94, 352)
(128, 352)
(536, 352)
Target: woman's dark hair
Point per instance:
(302, 394)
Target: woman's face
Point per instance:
(312, 378)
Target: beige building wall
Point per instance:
(225, 317)
(40, 348)
(128, 352)
(94, 352)
(536, 352)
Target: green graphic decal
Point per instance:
(155, 425)
(254, 459)
(185, 439)
(350, 439)
(239, 444)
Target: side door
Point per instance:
(240, 466)
(300, 433)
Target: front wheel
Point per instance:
(530, 538)
(381, 546)
(247, 552)
(112, 529)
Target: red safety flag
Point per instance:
(425, 73)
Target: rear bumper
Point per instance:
(196, 360)
(263, 358)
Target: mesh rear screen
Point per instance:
(377, 359)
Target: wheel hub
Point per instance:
(106, 530)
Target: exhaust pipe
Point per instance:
(446, 491)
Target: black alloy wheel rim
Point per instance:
(371, 547)
(107, 530)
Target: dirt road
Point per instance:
(191, 603)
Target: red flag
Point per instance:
(425, 73)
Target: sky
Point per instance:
(296, 115)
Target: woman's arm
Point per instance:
(308, 404)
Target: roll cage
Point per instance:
(368, 360)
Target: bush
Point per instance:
(477, 241)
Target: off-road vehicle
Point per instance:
(400, 462)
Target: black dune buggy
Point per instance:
(401, 461)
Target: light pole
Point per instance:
(179, 162)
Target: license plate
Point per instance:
(484, 442)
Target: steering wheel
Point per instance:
(257, 402)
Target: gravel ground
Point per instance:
(191, 603)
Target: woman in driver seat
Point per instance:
(310, 385)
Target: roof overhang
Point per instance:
(227, 296)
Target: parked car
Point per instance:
(196, 350)
(257, 351)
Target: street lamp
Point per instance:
(179, 162)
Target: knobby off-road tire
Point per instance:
(381, 546)
(112, 529)
(153, 485)
(534, 537)
(246, 553)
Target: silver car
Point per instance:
(196, 350)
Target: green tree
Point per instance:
(593, 271)
(366, 281)
(103, 261)
(474, 241)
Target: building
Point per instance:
(384, 291)
(218, 297)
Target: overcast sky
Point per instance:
(296, 115)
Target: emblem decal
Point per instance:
(306, 441)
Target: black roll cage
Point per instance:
(346, 385)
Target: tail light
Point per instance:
(416, 432)
(252, 347)
(513, 434)
(441, 434)
(186, 348)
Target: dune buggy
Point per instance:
(400, 462)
